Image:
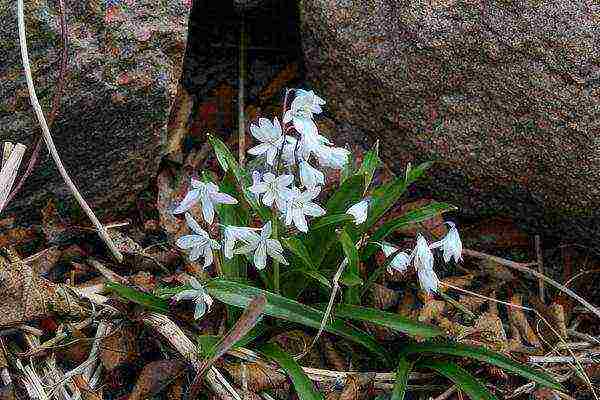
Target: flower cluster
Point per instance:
(289, 184)
(422, 257)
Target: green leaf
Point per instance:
(302, 383)
(146, 300)
(351, 274)
(328, 220)
(229, 163)
(385, 196)
(370, 163)
(240, 295)
(461, 378)
(296, 246)
(236, 215)
(402, 374)
(482, 354)
(387, 319)
(411, 217)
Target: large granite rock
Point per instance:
(125, 60)
(505, 93)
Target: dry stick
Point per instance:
(540, 264)
(241, 90)
(55, 101)
(524, 268)
(48, 138)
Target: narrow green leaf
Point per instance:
(402, 374)
(296, 246)
(482, 354)
(351, 274)
(461, 378)
(240, 295)
(302, 383)
(229, 163)
(370, 163)
(146, 300)
(411, 217)
(387, 319)
(328, 220)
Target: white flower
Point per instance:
(310, 176)
(423, 262)
(200, 243)
(270, 136)
(359, 211)
(400, 261)
(232, 235)
(301, 204)
(451, 244)
(262, 245)
(274, 188)
(209, 196)
(332, 157)
(198, 295)
(428, 280)
(289, 151)
(304, 105)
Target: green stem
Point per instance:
(275, 236)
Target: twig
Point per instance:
(525, 268)
(55, 101)
(562, 359)
(48, 137)
(540, 264)
(451, 390)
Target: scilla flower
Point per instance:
(208, 194)
(359, 211)
(231, 235)
(198, 295)
(332, 157)
(200, 243)
(270, 136)
(451, 244)
(262, 245)
(423, 262)
(310, 176)
(300, 204)
(400, 262)
(304, 105)
(273, 189)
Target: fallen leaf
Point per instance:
(296, 342)
(155, 377)
(332, 355)
(382, 297)
(164, 202)
(119, 347)
(257, 378)
(178, 128)
(518, 320)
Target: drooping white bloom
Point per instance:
(198, 295)
(231, 235)
(272, 188)
(309, 175)
(289, 151)
(332, 157)
(200, 243)
(262, 245)
(359, 211)
(400, 262)
(304, 105)
(209, 196)
(270, 136)
(428, 280)
(299, 205)
(451, 244)
(423, 262)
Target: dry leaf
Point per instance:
(165, 200)
(431, 310)
(255, 377)
(332, 355)
(155, 377)
(382, 298)
(119, 347)
(518, 319)
(296, 342)
(178, 128)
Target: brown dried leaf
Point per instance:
(296, 342)
(257, 377)
(27, 296)
(356, 387)
(332, 355)
(178, 128)
(432, 310)
(382, 297)
(408, 305)
(84, 388)
(119, 347)
(498, 274)
(155, 377)
(518, 319)
(166, 197)
(496, 233)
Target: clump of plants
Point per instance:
(273, 233)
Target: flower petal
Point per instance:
(208, 210)
(300, 221)
(200, 309)
(189, 241)
(260, 256)
(313, 209)
(260, 149)
(194, 225)
(223, 198)
(188, 201)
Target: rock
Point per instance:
(506, 94)
(125, 60)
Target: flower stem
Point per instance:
(275, 235)
(48, 138)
